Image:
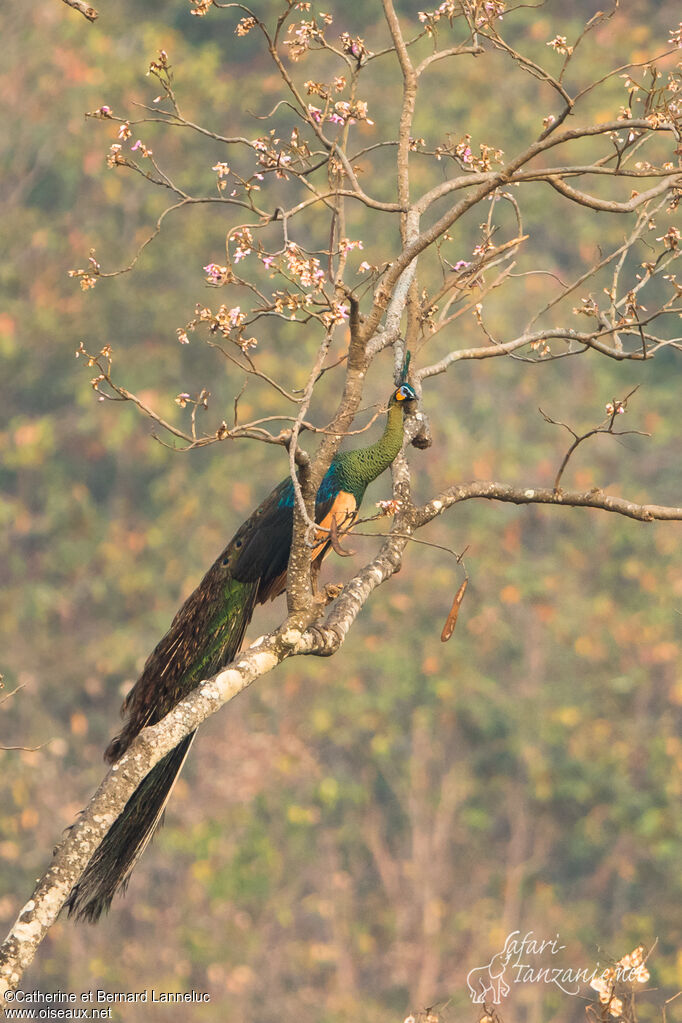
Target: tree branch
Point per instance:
(595, 498)
(86, 10)
(610, 205)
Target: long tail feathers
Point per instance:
(111, 865)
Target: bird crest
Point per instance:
(406, 367)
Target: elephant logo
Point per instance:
(487, 983)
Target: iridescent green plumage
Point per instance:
(206, 634)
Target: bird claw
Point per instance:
(334, 539)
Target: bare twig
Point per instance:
(27, 749)
(614, 408)
(8, 696)
(86, 10)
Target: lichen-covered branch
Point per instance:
(594, 498)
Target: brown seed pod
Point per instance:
(451, 620)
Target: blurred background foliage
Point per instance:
(351, 837)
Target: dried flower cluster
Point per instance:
(229, 322)
(304, 34)
(306, 269)
(480, 13)
(245, 25)
(631, 969)
(560, 44)
(355, 47)
(200, 8)
(87, 278)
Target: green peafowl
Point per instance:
(206, 634)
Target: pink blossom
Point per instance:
(215, 273)
(346, 245)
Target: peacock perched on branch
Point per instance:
(206, 634)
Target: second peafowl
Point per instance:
(206, 634)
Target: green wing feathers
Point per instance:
(206, 633)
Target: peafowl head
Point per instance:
(404, 396)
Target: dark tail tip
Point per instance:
(86, 911)
(112, 862)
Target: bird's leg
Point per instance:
(315, 576)
(334, 538)
(329, 592)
